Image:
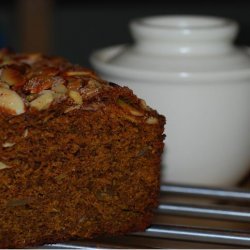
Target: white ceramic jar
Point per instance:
(188, 68)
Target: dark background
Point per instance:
(74, 29)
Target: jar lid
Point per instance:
(170, 48)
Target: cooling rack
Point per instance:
(187, 217)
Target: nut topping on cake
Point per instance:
(3, 166)
(25, 133)
(76, 97)
(40, 83)
(43, 101)
(11, 102)
(59, 88)
(129, 108)
(8, 144)
(78, 73)
(4, 85)
(151, 120)
(13, 74)
(34, 81)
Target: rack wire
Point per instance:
(187, 217)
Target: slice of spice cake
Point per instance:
(79, 156)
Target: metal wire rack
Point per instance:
(187, 217)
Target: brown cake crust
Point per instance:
(85, 164)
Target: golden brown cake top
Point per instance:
(32, 82)
(35, 81)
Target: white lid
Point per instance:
(169, 48)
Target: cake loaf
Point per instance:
(79, 156)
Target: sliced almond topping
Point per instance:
(130, 118)
(3, 166)
(76, 97)
(135, 112)
(67, 110)
(4, 85)
(43, 101)
(144, 105)
(59, 88)
(77, 73)
(151, 120)
(129, 108)
(8, 144)
(11, 102)
(40, 83)
(12, 76)
(89, 92)
(92, 83)
(26, 132)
